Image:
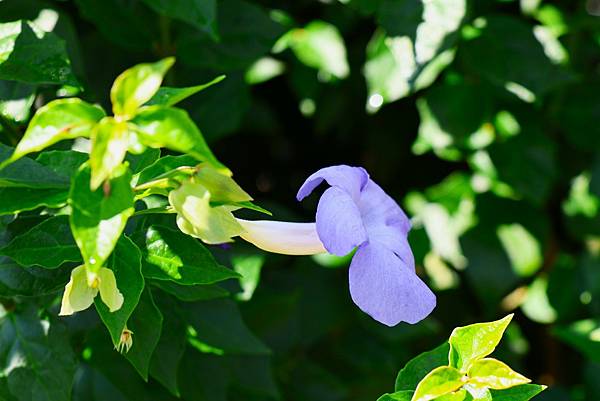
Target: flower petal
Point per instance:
(350, 179)
(384, 287)
(339, 223)
(383, 219)
(110, 294)
(282, 237)
(78, 295)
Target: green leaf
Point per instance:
(162, 166)
(62, 162)
(172, 255)
(28, 54)
(167, 356)
(318, 45)
(29, 173)
(249, 268)
(524, 392)
(219, 328)
(22, 281)
(471, 343)
(49, 244)
(167, 127)
(99, 217)
(191, 293)
(417, 368)
(459, 395)
(523, 249)
(201, 14)
(170, 96)
(16, 100)
(582, 335)
(143, 160)
(440, 381)
(125, 262)
(58, 120)
(399, 65)
(137, 85)
(493, 374)
(17, 200)
(146, 324)
(110, 140)
(397, 396)
(46, 365)
(524, 70)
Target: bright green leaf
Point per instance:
(99, 217)
(172, 255)
(109, 146)
(471, 343)
(58, 120)
(524, 392)
(522, 247)
(163, 166)
(397, 396)
(172, 128)
(440, 381)
(137, 85)
(170, 96)
(493, 374)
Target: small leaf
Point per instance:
(440, 381)
(417, 368)
(125, 262)
(478, 393)
(492, 373)
(170, 96)
(146, 325)
(99, 217)
(473, 342)
(17, 99)
(58, 120)
(49, 244)
(162, 166)
(109, 146)
(405, 395)
(172, 255)
(137, 85)
(28, 54)
(222, 188)
(524, 392)
(167, 127)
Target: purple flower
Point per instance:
(356, 213)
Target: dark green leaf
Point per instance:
(172, 255)
(16, 280)
(46, 364)
(16, 99)
(28, 173)
(146, 324)
(162, 166)
(143, 160)
(524, 392)
(28, 54)
(16, 200)
(201, 14)
(99, 217)
(62, 162)
(126, 264)
(191, 293)
(49, 244)
(582, 336)
(397, 396)
(417, 368)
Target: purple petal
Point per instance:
(350, 179)
(339, 225)
(383, 219)
(385, 288)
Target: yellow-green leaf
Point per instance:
(494, 374)
(438, 382)
(109, 146)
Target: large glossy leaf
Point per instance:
(172, 128)
(202, 14)
(45, 364)
(126, 265)
(49, 244)
(16, 200)
(471, 343)
(28, 54)
(28, 173)
(417, 368)
(172, 255)
(58, 120)
(99, 217)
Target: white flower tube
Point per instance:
(282, 237)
